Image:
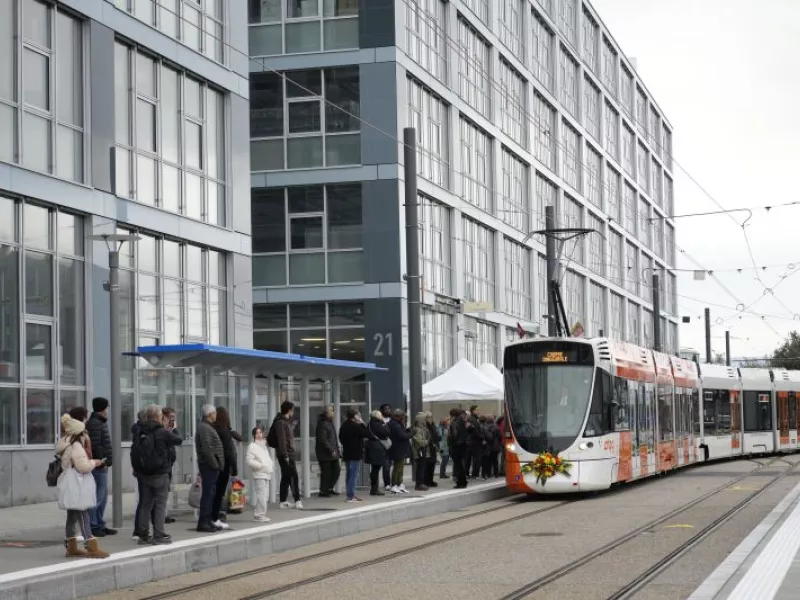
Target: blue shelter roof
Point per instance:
(243, 361)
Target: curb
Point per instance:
(123, 570)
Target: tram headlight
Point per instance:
(511, 448)
(583, 446)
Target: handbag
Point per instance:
(196, 493)
(76, 491)
(387, 443)
(54, 471)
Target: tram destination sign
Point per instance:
(563, 353)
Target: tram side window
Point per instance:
(644, 415)
(792, 411)
(757, 411)
(696, 411)
(601, 417)
(633, 402)
(665, 429)
(709, 412)
(723, 412)
(622, 410)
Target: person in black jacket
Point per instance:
(223, 428)
(433, 450)
(97, 428)
(352, 434)
(475, 442)
(155, 484)
(328, 455)
(376, 451)
(400, 450)
(168, 414)
(457, 440)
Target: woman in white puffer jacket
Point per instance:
(260, 462)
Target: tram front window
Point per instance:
(547, 403)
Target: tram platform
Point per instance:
(33, 567)
(766, 564)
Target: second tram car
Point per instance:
(619, 412)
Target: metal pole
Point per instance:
(305, 437)
(728, 348)
(116, 404)
(656, 315)
(708, 336)
(552, 265)
(412, 271)
(337, 416)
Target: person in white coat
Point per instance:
(261, 465)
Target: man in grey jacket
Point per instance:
(210, 460)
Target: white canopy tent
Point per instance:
(462, 386)
(493, 374)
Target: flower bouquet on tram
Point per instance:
(545, 466)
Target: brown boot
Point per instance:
(94, 550)
(73, 549)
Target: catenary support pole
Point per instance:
(708, 335)
(116, 405)
(337, 417)
(413, 282)
(552, 264)
(272, 403)
(305, 436)
(656, 315)
(728, 348)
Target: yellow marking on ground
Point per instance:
(679, 526)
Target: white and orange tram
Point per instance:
(620, 413)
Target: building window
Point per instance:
(654, 132)
(544, 131)
(627, 91)
(634, 317)
(569, 81)
(478, 262)
(566, 19)
(428, 114)
(514, 208)
(633, 274)
(593, 166)
(641, 111)
(597, 297)
(546, 194)
(628, 150)
(672, 300)
(590, 36)
(631, 209)
(436, 262)
(170, 293)
(597, 253)
(647, 328)
(476, 166)
(574, 304)
(669, 199)
(591, 108)
(480, 342)
(645, 226)
(322, 330)
(511, 27)
(305, 119)
(513, 112)
(541, 279)
(438, 334)
(573, 219)
(613, 190)
(615, 244)
(473, 68)
(616, 317)
(310, 235)
(170, 134)
(42, 320)
(41, 89)
(669, 242)
(542, 44)
(425, 37)
(659, 235)
(518, 279)
(609, 66)
(657, 181)
(480, 8)
(666, 146)
(642, 167)
(299, 26)
(612, 131)
(570, 156)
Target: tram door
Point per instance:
(783, 419)
(645, 428)
(736, 422)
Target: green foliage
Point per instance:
(786, 356)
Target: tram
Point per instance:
(618, 412)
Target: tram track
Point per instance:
(651, 573)
(233, 577)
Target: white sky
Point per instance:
(726, 74)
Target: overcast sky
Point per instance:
(726, 74)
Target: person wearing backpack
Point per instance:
(281, 437)
(151, 458)
(210, 460)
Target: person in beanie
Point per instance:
(97, 428)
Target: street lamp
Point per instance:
(114, 242)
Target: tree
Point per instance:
(719, 359)
(787, 355)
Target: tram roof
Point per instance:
(245, 361)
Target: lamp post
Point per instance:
(114, 242)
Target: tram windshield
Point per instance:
(547, 389)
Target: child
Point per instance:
(259, 460)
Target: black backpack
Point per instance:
(272, 436)
(54, 472)
(144, 456)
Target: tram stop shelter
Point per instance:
(262, 377)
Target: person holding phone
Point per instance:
(352, 434)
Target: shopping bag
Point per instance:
(196, 492)
(76, 491)
(236, 496)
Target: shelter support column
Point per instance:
(251, 409)
(337, 417)
(272, 403)
(305, 436)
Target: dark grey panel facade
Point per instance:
(381, 224)
(378, 83)
(101, 70)
(376, 23)
(383, 339)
